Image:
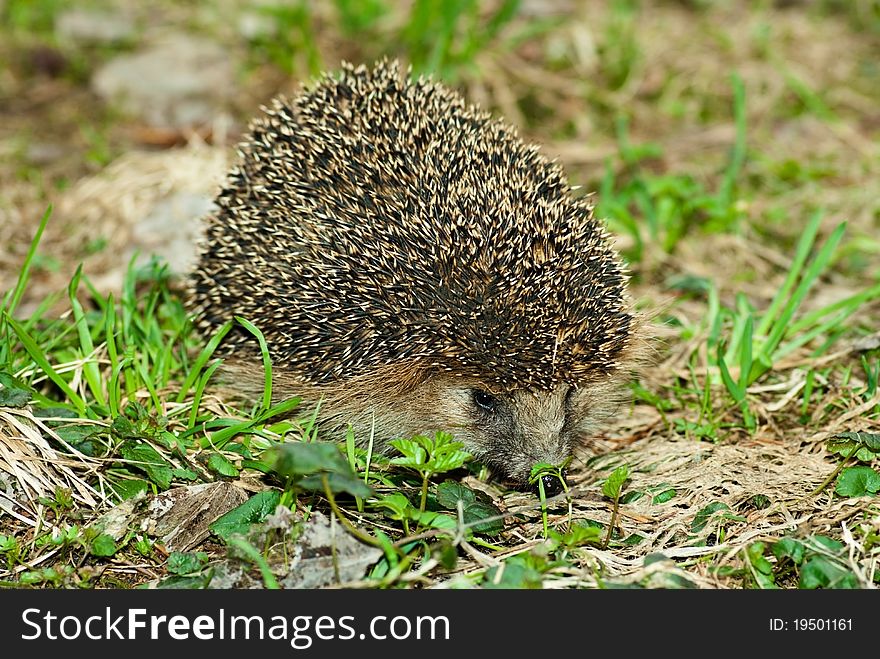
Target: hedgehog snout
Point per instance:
(552, 485)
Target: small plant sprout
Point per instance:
(429, 457)
(612, 488)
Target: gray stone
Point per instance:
(91, 26)
(44, 153)
(252, 25)
(326, 554)
(180, 82)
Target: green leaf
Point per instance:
(307, 464)
(183, 563)
(449, 493)
(789, 548)
(829, 544)
(632, 495)
(870, 440)
(475, 513)
(176, 582)
(632, 540)
(184, 474)
(476, 506)
(414, 455)
(515, 572)
(337, 482)
(252, 511)
(295, 459)
(257, 465)
(434, 520)
(145, 458)
(857, 482)
(654, 557)
(7, 543)
(705, 514)
(446, 453)
(763, 569)
(128, 488)
(613, 484)
(239, 449)
(449, 460)
(430, 455)
(821, 572)
(861, 446)
(103, 545)
(83, 437)
(582, 534)
(446, 553)
(13, 392)
(397, 503)
(664, 495)
(220, 464)
(123, 428)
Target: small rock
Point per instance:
(43, 153)
(181, 81)
(252, 26)
(93, 27)
(183, 515)
(326, 554)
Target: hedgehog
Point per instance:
(415, 267)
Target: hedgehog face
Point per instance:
(512, 431)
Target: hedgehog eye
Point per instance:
(484, 400)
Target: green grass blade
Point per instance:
(745, 357)
(805, 337)
(743, 312)
(220, 438)
(737, 392)
(114, 391)
(802, 251)
(151, 388)
(40, 360)
(91, 371)
(812, 272)
(200, 389)
(110, 332)
(738, 153)
(201, 360)
(267, 361)
(851, 304)
(11, 301)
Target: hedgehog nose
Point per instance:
(552, 484)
